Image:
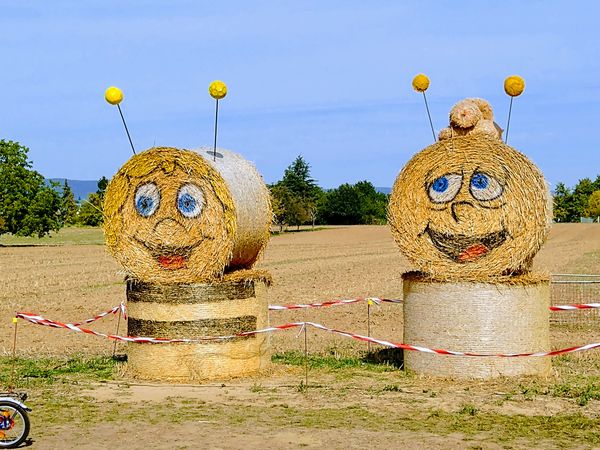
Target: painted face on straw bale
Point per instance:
(169, 217)
(470, 207)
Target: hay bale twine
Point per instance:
(478, 318)
(252, 205)
(470, 208)
(194, 311)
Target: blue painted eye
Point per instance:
(147, 199)
(479, 181)
(445, 188)
(440, 184)
(190, 200)
(485, 187)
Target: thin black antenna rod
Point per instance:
(126, 129)
(216, 121)
(429, 115)
(508, 124)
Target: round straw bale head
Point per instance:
(470, 207)
(169, 217)
(252, 205)
(476, 317)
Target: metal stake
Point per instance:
(305, 356)
(117, 332)
(369, 325)
(14, 357)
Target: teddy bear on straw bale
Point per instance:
(471, 116)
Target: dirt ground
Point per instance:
(341, 409)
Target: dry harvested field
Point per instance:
(81, 398)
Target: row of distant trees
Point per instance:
(570, 205)
(298, 200)
(31, 206)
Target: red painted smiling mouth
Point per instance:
(463, 248)
(169, 257)
(172, 262)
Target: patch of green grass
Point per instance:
(32, 372)
(391, 388)
(328, 362)
(468, 409)
(66, 236)
(581, 388)
(583, 392)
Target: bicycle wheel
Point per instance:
(14, 424)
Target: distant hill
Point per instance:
(81, 188)
(383, 190)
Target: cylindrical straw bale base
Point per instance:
(195, 311)
(476, 318)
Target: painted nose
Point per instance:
(170, 231)
(462, 211)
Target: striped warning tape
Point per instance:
(574, 307)
(123, 309)
(333, 303)
(119, 308)
(39, 320)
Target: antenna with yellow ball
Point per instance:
(513, 86)
(217, 90)
(114, 96)
(420, 83)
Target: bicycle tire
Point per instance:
(23, 414)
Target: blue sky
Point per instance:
(330, 80)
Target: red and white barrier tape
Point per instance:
(150, 340)
(574, 307)
(120, 308)
(387, 300)
(123, 309)
(375, 300)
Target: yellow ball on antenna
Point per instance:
(420, 83)
(113, 95)
(217, 89)
(514, 85)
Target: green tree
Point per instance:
(288, 207)
(69, 207)
(354, 204)
(593, 209)
(91, 209)
(298, 180)
(28, 206)
(296, 195)
(373, 204)
(563, 204)
(342, 206)
(581, 195)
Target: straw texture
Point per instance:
(478, 318)
(194, 311)
(470, 208)
(252, 205)
(169, 217)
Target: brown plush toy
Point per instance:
(471, 116)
